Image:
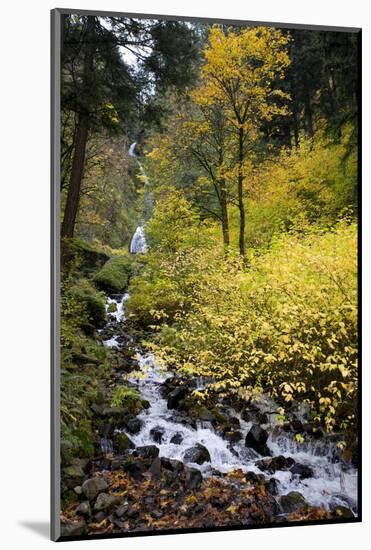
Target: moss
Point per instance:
(122, 443)
(114, 275)
(76, 251)
(92, 300)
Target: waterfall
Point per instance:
(132, 149)
(138, 243)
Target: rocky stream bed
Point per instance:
(167, 462)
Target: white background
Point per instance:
(24, 271)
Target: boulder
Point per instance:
(105, 502)
(84, 509)
(198, 454)
(175, 397)
(155, 468)
(122, 443)
(147, 451)
(93, 486)
(74, 473)
(134, 425)
(133, 469)
(272, 486)
(255, 479)
(122, 510)
(257, 440)
(172, 464)
(233, 436)
(303, 471)
(157, 433)
(292, 502)
(193, 478)
(342, 512)
(176, 439)
(73, 529)
(271, 465)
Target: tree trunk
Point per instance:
(81, 137)
(241, 206)
(77, 172)
(224, 212)
(308, 116)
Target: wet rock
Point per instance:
(172, 464)
(122, 443)
(342, 512)
(257, 440)
(93, 486)
(314, 431)
(176, 439)
(292, 502)
(84, 509)
(134, 425)
(157, 433)
(147, 451)
(233, 436)
(271, 465)
(193, 479)
(74, 529)
(262, 418)
(302, 470)
(198, 454)
(255, 479)
(175, 397)
(105, 502)
(272, 486)
(297, 425)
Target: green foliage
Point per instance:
(91, 300)
(125, 397)
(81, 305)
(287, 325)
(115, 274)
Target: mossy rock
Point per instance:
(114, 275)
(112, 308)
(122, 443)
(76, 251)
(293, 502)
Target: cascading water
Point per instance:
(333, 483)
(138, 243)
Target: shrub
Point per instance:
(92, 301)
(286, 325)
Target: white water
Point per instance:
(138, 243)
(331, 484)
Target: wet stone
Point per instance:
(176, 439)
(292, 502)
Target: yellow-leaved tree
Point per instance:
(241, 73)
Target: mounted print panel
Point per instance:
(205, 275)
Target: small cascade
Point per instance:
(106, 446)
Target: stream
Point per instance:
(333, 482)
